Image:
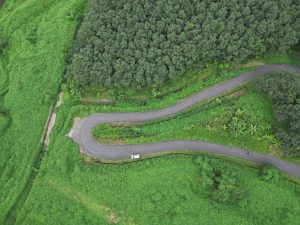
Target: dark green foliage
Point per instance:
(284, 89)
(242, 123)
(73, 89)
(3, 42)
(139, 43)
(32, 35)
(269, 173)
(225, 185)
(206, 172)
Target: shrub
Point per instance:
(269, 173)
(225, 185)
(227, 188)
(206, 170)
(283, 89)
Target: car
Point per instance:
(135, 156)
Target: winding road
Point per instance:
(82, 131)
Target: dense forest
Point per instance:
(284, 90)
(138, 43)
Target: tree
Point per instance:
(227, 187)
(283, 88)
(148, 43)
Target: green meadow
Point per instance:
(62, 186)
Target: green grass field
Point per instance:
(39, 34)
(61, 186)
(164, 190)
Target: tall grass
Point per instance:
(39, 34)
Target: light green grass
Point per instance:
(165, 190)
(292, 58)
(39, 34)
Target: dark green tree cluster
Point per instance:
(269, 173)
(138, 43)
(284, 89)
(225, 185)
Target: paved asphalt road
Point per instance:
(82, 132)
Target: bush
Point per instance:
(227, 188)
(206, 170)
(74, 89)
(283, 89)
(269, 173)
(141, 43)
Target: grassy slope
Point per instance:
(292, 59)
(39, 34)
(67, 189)
(204, 123)
(96, 193)
(91, 193)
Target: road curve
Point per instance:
(82, 131)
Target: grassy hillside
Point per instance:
(166, 190)
(39, 34)
(66, 187)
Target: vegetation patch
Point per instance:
(5, 118)
(190, 83)
(4, 123)
(164, 190)
(134, 47)
(284, 90)
(31, 70)
(242, 120)
(225, 185)
(147, 43)
(3, 42)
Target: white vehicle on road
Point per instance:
(135, 156)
